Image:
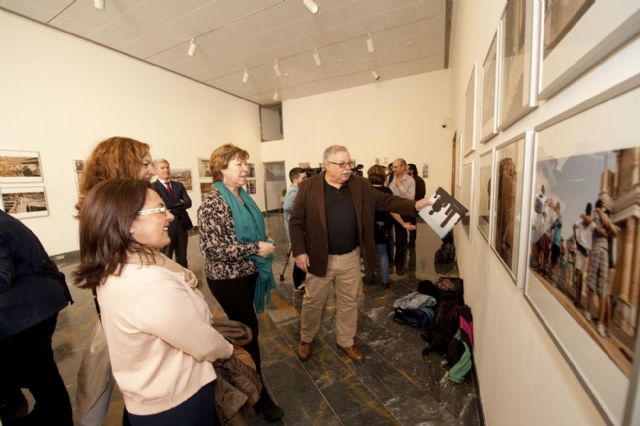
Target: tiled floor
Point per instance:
(394, 385)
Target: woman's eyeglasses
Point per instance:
(145, 212)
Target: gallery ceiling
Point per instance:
(262, 50)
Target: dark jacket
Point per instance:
(421, 187)
(31, 287)
(178, 205)
(308, 222)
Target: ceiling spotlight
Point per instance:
(276, 67)
(192, 48)
(276, 96)
(370, 46)
(375, 75)
(98, 4)
(316, 58)
(245, 76)
(311, 5)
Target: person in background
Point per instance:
(296, 175)
(583, 233)
(382, 227)
(421, 192)
(403, 186)
(175, 197)
(331, 225)
(156, 323)
(32, 293)
(116, 157)
(237, 252)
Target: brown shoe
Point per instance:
(352, 352)
(304, 351)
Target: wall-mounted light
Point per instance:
(375, 75)
(192, 48)
(370, 46)
(98, 4)
(311, 5)
(245, 76)
(276, 67)
(276, 96)
(316, 58)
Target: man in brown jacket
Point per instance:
(331, 225)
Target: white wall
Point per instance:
(524, 379)
(396, 118)
(62, 95)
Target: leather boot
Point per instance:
(265, 406)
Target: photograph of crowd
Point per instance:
(25, 202)
(20, 166)
(585, 243)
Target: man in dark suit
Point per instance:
(331, 225)
(32, 292)
(177, 200)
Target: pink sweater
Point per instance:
(160, 340)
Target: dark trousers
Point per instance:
(198, 410)
(401, 243)
(178, 246)
(236, 298)
(26, 361)
(298, 275)
(413, 234)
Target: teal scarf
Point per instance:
(249, 226)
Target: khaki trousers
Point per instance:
(343, 271)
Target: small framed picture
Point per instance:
(252, 170)
(25, 202)
(205, 188)
(183, 176)
(485, 193)
(20, 167)
(204, 172)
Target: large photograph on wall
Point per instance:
(576, 34)
(469, 135)
(20, 166)
(489, 85)
(484, 193)
(583, 275)
(517, 70)
(183, 176)
(510, 177)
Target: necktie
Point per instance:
(169, 190)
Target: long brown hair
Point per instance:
(105, 219)
(114, 158)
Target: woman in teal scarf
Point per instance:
(237, 251)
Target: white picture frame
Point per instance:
(24, 202)
(466, 197)
(488, 109)
(572, 157)
(485, 193)
(588, 37)
(204, 172)
(20, 166)
(470, 97)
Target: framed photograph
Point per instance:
(582, 277)
(466, 196)
(252, 170)
(78, 172)
(26, 202)
(469, 134)
(577, 34)
(511, 174)
(204, 172)
(205, 188)
(518, 60)
(183, 176)
(425, 170)
(20, 166)
(251, 186)
(488, 105)
(485, 192)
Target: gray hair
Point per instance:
(158, 161)
(330, 150)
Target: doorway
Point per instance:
(275, 185)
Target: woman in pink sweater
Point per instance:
(157, 324)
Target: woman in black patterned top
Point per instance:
(237, 252)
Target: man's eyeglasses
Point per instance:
(348, 164)
(145, 212)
